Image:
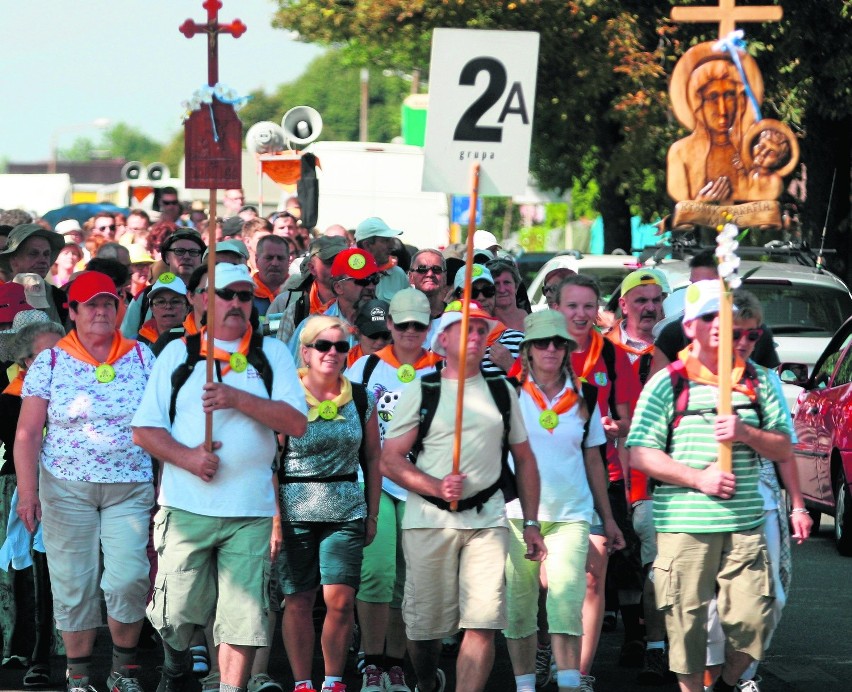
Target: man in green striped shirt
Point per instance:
(709, 534)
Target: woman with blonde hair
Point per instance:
(325, 517)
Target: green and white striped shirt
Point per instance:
(686, 510)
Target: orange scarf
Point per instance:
(222, 355)
(149, 331)
(317, 306)
(189, 326)
(592, 355)
(427, 358)
(562, 404)
(73, 347)
(696, 371)
(614, 335)
(261, 290)
(496, 333)
(355, 353)
(14, 388)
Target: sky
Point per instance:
(67, 63)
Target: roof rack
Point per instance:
(683, 248)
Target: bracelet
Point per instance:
(798, 510)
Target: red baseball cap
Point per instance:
(90, 285)
(13, 299)
(354, 262)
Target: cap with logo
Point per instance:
(12, 301)
(355, 263)
(169, 282)
(702, 298)
(643, 277)
(410, 305)
(372, 317)
(478, 272)
(453, 315)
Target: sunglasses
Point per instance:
(558, 342)
(751, 334)
(168, 201)
(379, 336)
(185, 252)
(410, 326)
(230, 294)
(425, 269)
(709, 317)
(484, 291)
(106, 228)
(324, 346)
(371, 280)
(165, 302)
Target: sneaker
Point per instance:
(78, 683)
(394, 680)
(200, 660)
(372, 679)
(261, 682)
(125, 679)
(360, 662)
(632, 654)
(749, 685)
(655, 668)
(302, 687)
(334, 687)
(177, 683)
(543, 669)
(440, 681)
(587, 683)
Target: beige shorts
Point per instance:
(688, 572)
(454, 579)
(643, 525)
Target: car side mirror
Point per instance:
(793, 373)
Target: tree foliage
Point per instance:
(119, 141)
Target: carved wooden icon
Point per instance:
(732, 155)
(213, 149)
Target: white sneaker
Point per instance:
(393, 680)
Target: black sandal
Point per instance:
(37, 676)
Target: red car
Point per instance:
(822, 418)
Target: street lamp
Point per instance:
(100, 123)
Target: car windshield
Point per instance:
(801, 310)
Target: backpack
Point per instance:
(256, 358)
(608, 354)
(680, 396)
(430, 386)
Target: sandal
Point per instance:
(37, 676)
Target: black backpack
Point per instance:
(256, 358)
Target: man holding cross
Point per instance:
(454, 559)
(214, 532)
(709, 522)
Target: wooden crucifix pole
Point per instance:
(199, 137)
(727, 14)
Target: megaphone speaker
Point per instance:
(265, 138)
(158, 171)
(132, 170)
(301, 125)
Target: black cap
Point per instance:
(372, 317)
(182, 234)
(232, 226)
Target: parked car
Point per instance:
(823, 453)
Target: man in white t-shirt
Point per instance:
(214, 532)
(450, 556)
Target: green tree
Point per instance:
(119, 141)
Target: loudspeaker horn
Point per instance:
(132, 170)
(301, 125)
(158, 171)
(265, 137)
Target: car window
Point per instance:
(844, 372)
(805, 310)
(823, 373)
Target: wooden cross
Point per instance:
(212, 28)
(727, 14)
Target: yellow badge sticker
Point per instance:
(454, 306)
(548, 419)
(104, 373)
(405, 373)
(477, 271)
(357, 261)
(166, 278)
(238, 362)
(327, 410)
(693, 294)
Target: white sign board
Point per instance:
(481, 101)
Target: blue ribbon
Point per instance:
(733, 43)
(237, 102)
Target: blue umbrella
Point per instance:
(81, 212)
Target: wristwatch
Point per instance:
(532, 522)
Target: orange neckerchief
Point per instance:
(73, 347)
(189, 326)
(149, 331)
(261, 290)
(390, 264)
(427, 358)
(562, 404)
(355, 353)
(222, 355)
(14, 388)
(592, 354)
(698, 373)
(496, 333)
(317, 306)
(614, 335)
